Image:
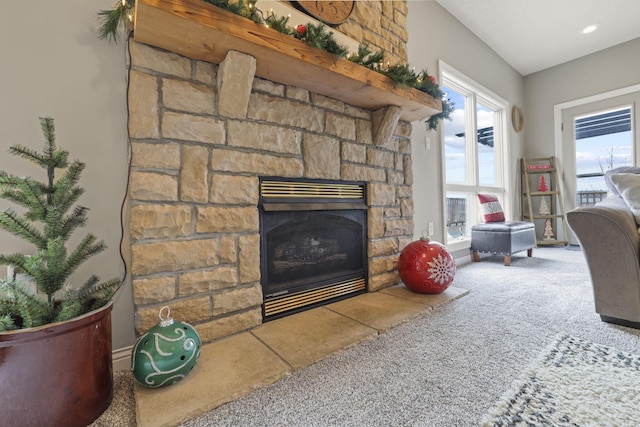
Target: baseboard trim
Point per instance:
(121, 358)
(463, 260)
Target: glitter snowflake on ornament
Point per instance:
(441, 269)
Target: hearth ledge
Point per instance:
(198, 30)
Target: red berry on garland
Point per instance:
(302, 30)
(433, 79)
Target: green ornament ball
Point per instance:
(166, 353)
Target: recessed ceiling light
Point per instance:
(590, 28)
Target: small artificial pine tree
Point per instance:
(543, 185)
(548, 230)
(48, 225)
(544, 207)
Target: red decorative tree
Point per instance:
(543, 184)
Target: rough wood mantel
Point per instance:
(198, 30)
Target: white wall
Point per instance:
(434, 35)
(607, 70)
(53, 64)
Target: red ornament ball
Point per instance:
(426, 267)
(302, 30)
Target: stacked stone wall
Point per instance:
(197, 155)
(382, 24)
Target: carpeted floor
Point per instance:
(447, 367)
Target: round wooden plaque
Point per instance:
(330, 12)
(517, 119)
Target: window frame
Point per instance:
(503, 188)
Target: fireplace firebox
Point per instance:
(313, 243)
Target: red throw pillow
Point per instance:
(491, 208)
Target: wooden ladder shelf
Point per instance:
(546, 199)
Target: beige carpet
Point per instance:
(445, 367)
(122, 411)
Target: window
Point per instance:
(474, 153)
(604, 141)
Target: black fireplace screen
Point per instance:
(307, 248)
(313, 243)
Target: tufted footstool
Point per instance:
(503, 238)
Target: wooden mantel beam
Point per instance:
(195, 29)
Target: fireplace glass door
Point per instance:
(310, 248)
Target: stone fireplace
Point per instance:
(203, 136)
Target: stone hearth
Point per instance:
(233, 367)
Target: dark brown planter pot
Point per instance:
(58, 374)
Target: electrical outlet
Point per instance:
(427, 142)
(430, 229)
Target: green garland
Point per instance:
(247, 10)
(279, 23)
(402, 76)
(314, 35)
(368, 59)
(114, 19)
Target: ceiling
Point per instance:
(532, 35)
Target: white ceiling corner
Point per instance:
(532, 35)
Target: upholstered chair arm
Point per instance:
(608, 235)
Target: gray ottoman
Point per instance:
(503, 238)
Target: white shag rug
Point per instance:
(575, 382)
